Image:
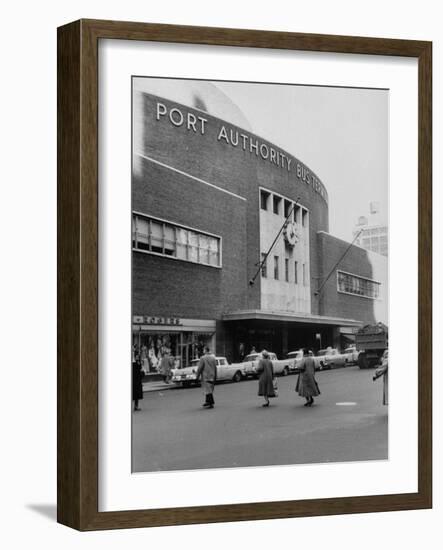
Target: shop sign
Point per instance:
(163, 321)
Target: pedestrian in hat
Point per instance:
(207, 370)
(307, 386)
(266, 380)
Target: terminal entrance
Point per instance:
(244, 337)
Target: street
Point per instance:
(347, 423)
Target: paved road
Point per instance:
(347, 423)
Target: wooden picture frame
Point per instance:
(78, 273)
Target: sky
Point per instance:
(340, 133)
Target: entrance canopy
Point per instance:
(305, 318)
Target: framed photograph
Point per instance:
(244, 250)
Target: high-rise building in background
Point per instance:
(372, 235)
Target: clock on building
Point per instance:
(291, 234)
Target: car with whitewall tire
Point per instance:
(225, 372)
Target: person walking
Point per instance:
(166, 364)
(383, 371)
(144, 358)
(266, 380)
(137, 378)
(207, 370)
(307, 386)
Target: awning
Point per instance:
(305, 318)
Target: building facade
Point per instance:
(209, 197)
(370, 233)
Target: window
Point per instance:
(305, 278)
(287, 270)
(264, 197)
(156, 236)
(276, 268)
(304, 218)
(171, 240)
(276, 204)
(288, 206)
(296, 273)
(263, 267)
(140, 230)
(297, 214)
(359, 286)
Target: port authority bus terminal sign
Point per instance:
(253, 145)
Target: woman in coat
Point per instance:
(166, 364)
(137, 377)
(266, 380)
(307, 386)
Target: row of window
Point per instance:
(281, 206)
(174, 241)
(352, 284)
(375, 241)
(289, 274)
(375, 231)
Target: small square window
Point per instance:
(276, 204)
(264, 199)
(263, 267)
(276, 274)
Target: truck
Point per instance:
(371, 341)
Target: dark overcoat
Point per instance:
(265, 382)
(137, 377)
(306, 383)
(207, 369)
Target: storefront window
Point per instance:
(183, 346)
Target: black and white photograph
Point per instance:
(260, 289)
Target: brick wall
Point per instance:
(357, 261)
(192, 290)
(166, 286)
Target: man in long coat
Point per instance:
(207, 369)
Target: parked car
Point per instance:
(329, 358)
(320, 359)
(334, 358)
(295, 358)
(225, 371)
(250, 364)
(351, 355)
